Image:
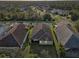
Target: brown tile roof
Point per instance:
(18, 32)
(38, 27)
(8, 41)
(41, 31)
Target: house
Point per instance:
(41, 34)
(14, 37)
(68, 38)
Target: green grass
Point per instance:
(44, 51)
(30, 33)
(57, 18)
(27, 53)
(57, 45)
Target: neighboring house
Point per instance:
(68, 38)
(42, 35)
(15, 37)
(59, 11)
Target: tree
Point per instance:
(77, 25)
(74, 15)
(47, 17)
(1, 16)
(4, 56)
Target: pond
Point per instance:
(2, 29)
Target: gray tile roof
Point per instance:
(73, 42)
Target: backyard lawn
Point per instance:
(44, 51)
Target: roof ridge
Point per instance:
(13, 29)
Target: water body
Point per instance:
(26, 22)
(2, 29)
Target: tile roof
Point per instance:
(8, 41)
(41, 32)
(66, 36)
(16, 33)
(73, 42)
(38, 27)
(63, 33)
